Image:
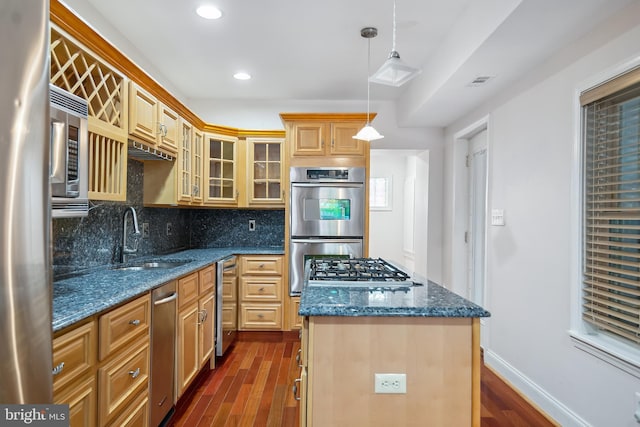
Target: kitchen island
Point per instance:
(425, 332)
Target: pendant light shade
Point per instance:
(394, 72)
(368, 132)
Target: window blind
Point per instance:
(611, 253)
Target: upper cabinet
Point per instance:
(316, 139)
(77, 70)
(220, 166)
(265, 164)
(152, 122)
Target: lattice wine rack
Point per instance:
(78, 71)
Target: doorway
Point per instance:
(476, 226)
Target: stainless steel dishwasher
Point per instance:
(163, 350)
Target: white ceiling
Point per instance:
(312, 50)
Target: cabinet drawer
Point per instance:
(136, 414)
(261, 289)
(263, 264)
(207, 279)
(229, 316)
(119, 326)
(81, 398)
(121, 379)
(74, 353)
(187, 290)
(229, 289)
(261, 316)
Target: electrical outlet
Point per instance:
(145, 230)
(252, 225)
(391, 383)
(169, 229)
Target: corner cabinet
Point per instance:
(220, 167)
(265, 164)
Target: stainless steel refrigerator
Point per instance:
(25, 281)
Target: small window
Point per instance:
(380, 194)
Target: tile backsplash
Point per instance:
(96, 239)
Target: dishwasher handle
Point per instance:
(165, 300)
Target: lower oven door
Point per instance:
(303, 249)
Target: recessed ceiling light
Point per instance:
(242, 76)
(209, 12)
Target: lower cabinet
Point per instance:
(196, 325)
(105, 390)
(260, 289)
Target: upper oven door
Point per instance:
(327, 209)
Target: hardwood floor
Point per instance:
(251, 386)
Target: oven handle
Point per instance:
(326, 240)
(328, 184)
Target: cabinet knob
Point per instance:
(261, 266)
(58, 368)
(134, 322)
(260, 316)
(135, 374)
(261, 290)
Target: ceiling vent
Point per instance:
(480, 80)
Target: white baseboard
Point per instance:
(545, 401)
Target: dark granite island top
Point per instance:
(428, 300)
(420, 345)
(99, 289)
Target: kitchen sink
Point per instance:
(152, 265)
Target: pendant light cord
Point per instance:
(393, 46)
(368, 83)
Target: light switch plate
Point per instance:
(497, 217)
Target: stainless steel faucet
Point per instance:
(126, 251)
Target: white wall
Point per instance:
(531, 141)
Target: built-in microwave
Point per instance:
(69, 157)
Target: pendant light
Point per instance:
(368, 132)
(394, 72)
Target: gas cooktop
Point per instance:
(356, 272)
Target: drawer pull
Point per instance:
(260, 316)
(295, 388)
(58, 369)
(135, 374)
(299, 357)
(134, 322)
(261, 266)
(261, 290)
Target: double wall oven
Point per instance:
(327, 217)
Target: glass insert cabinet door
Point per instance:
(221, 169)
(266, 170)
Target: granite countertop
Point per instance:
(428, 300)
(99, 289)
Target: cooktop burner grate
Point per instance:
(355, 269)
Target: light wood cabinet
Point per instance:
(265, 171)
(220, 167)
(325, 135)
(260, 288)
(135, 415)
(197, 159)
(78, 70)
(74, 380)
(440, 357)
(295, 320)
(195, 325)
(118, 327)
(124, 351)
(123, 378)
(152, 122)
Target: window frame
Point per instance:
(388, 205)
(607, 347)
